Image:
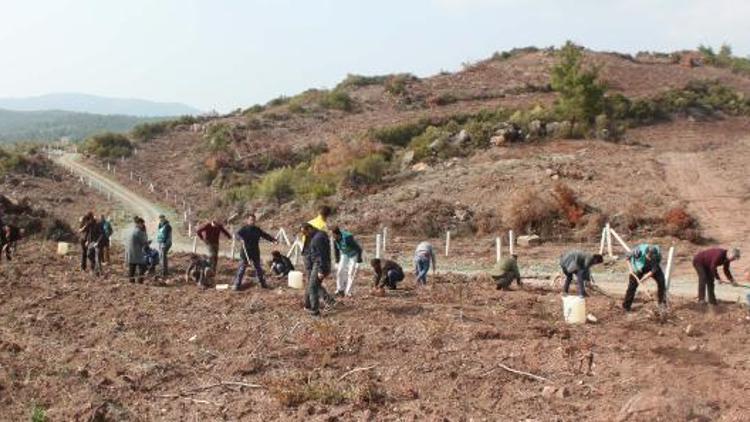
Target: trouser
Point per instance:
(258, 271)
(346, 273)
(658, 276)
(279, 268)
(135, 272)
(705, 283)
(213, 256)
(6, 247)
(422, 264)
(104, 246)
(393, 277)
(505, 280)
(315, 290)
(163, 253)
(581, 277)
(84, 255)
(94, 256)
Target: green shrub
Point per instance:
(398, 135)
(286, 184)
(581, 94)
(257, 108)
(276, 185)
(145, 132)
(480, 132)
(370, 169)
(38, 414)
(396, 84)
(183, 121)
(278, 101)
(11, 162)
(421, 144)
(337, 100)
(108, 145)
(356, 81)
(445, 99)
(219, 136)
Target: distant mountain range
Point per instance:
(84, 103)
(37, 126)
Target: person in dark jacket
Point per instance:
(87, 231)
(348, 255)
(644, 262)
(152, 259)
(706, 264)
(280, 264)
(164, 242)
(578, 263)
(210, 233)
(387, 273)
(135, 244)
(317, 253)
(199, 271)
(249, 237)
(11, 235)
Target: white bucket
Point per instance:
(64, 248)
(574, 309)
(222, 287)
(295, 280)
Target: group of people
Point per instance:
(644, 262)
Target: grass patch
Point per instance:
(108, 145)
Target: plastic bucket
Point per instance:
(295, 280)
(574, 309)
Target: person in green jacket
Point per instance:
(348, 255)
(506, 271)
(644, 263)
(164, 240)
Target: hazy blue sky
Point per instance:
(229, 53)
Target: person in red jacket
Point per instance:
(210, 233)
(706, 264)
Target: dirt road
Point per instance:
(138, 205)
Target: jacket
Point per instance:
(638, 257)
(211, 234)
(107, 228)
(317, 252)
(250, 237)
(348, 246)
(386, 266)
(164, 233)
(574, 261)
(508, 267)
(135, 243)
(712, 259)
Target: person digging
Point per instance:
(706, 264)
(506, 271)
(249, 237)
(644, 263)
(577, 263)
(199, 271)
(387, 273)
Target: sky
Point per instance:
(225, 54)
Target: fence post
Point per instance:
(385, 238)
(195, 244)
(378, 241)
(512, 244)
(447, 242)
(498, 249)
(668, 274)
(603, 240)
(609, 242)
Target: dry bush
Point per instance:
(529, 211)
(680, 224)
(487, 222)
(568, 202)
(296, 390)
(341, 154)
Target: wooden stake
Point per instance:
(512, 243)
(498, 249)
(619, 239)
(385, 238)
(609, 241)
(447, 242)
(195, 244)
(668, 274)
(603, 240)
(378, 241)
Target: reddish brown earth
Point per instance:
(80, 347)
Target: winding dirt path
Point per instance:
(137, 204)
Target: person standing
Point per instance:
(644, 262)
(348, 256)
(317, 253)
(106, 243)
(249, 236)
(12, 234)
(706, 264)
(135, 246)
(387, 273)
(210, 233)
(578, 263)
(164, 243)
(86, 230)
(423, 257)
(507, 272)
